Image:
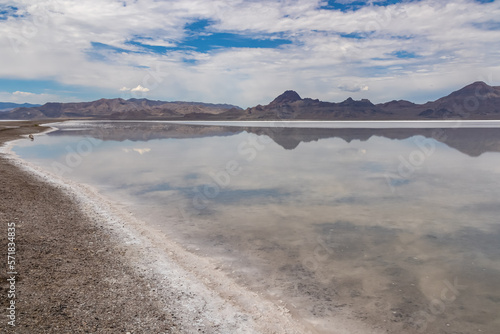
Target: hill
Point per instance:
(117, 109)
(6, 106)
(475, 101)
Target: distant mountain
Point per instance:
(289, 96)
(290, 105)
(117, 109)
(475, 101)
(6, 106)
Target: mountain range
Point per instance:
(6, 106)
(117, 109)
(475, 101)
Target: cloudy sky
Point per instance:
(245, 52)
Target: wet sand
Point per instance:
(84, 266)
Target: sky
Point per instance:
(245, 52)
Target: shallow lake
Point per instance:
(398, 225)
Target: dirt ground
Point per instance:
(63, 284)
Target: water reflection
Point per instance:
(400, 226)
(471, 141)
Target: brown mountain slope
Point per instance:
(475, 101)
(289, 105)
(116, 109)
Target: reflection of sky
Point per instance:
(325, 172)
(376, 177)
(412, 204)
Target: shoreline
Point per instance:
(329, 124)
(69, 276)
(189, 289)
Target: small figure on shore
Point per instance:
(31, 137)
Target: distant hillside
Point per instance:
(6, 106)
(117, 109)
(475, 101)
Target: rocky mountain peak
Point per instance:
(478, 89)
(288, 96)
(351, 102)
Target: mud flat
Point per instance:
(83, 265)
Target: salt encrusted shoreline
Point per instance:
(201, 297)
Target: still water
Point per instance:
(400, 227)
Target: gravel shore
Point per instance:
(70, 278)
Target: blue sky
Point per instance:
(245, 52)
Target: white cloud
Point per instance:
(155, 42)
(28, 97)
(23, 94)
(331, 50)
(141, 89)
(353, 88)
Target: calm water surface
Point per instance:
(400, 226)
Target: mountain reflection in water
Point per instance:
(471, 141)
(397, 228)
